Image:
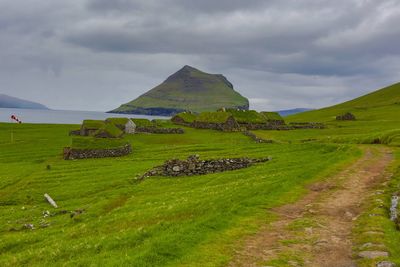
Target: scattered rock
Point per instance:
(46, 213)
(371, 245)
(385, 264)
(76, 212)
(373, 254)
(29, 226)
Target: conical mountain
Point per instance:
(188, 89)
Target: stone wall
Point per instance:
(229, 125)
(306, 125)
(194, 166)
(72, 153)
(157, 130)
(75, 132)
(256, 138)
(346, 117)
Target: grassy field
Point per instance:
(184, 221)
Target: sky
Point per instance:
(281, 54)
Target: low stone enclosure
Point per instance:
(346, 117)
(72, 153)
(194, 166)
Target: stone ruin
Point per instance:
(194, 166)
(72, 153)
(346, 117)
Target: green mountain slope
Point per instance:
(187, 89)
(383, 104)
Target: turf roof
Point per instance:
(187, 116)
(247, 116)
(213, 117)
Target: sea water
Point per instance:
(62, 116)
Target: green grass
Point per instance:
(272, 116)
(102, 126)
(142, 122)
(247, 116)
(213, 117)
(93, 124)
(118, 121)
(188, 221)
(80, 142)
(381, 105)
(187, 116)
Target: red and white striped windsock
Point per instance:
(14, 118)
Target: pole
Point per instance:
(12, 131)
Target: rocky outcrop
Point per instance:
(72, 153)
(157, 130)
(194, 166)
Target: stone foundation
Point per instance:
(157, 130)
(194, 166)
(71, 153)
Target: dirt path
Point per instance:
(316, 231)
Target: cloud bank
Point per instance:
(97, 54)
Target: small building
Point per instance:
(124, 124)
(184, 118)
(130, 127)
(273, 118)
(101, 129)
(249, 119)
(222, 121)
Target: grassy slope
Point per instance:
(383, 105)
(212, 93)
(158, 222)
(376, 113)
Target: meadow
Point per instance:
(186, 221)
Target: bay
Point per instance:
(62, 116)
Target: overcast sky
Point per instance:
(98, 54)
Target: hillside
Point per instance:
(187, 89)
(383, 104)
(13, 102)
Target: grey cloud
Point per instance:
(281, 54)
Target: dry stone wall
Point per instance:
(72, 153)
(157, 130)
(194, 166)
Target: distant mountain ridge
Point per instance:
(7, 101)
(288, 112)
(187, 89)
